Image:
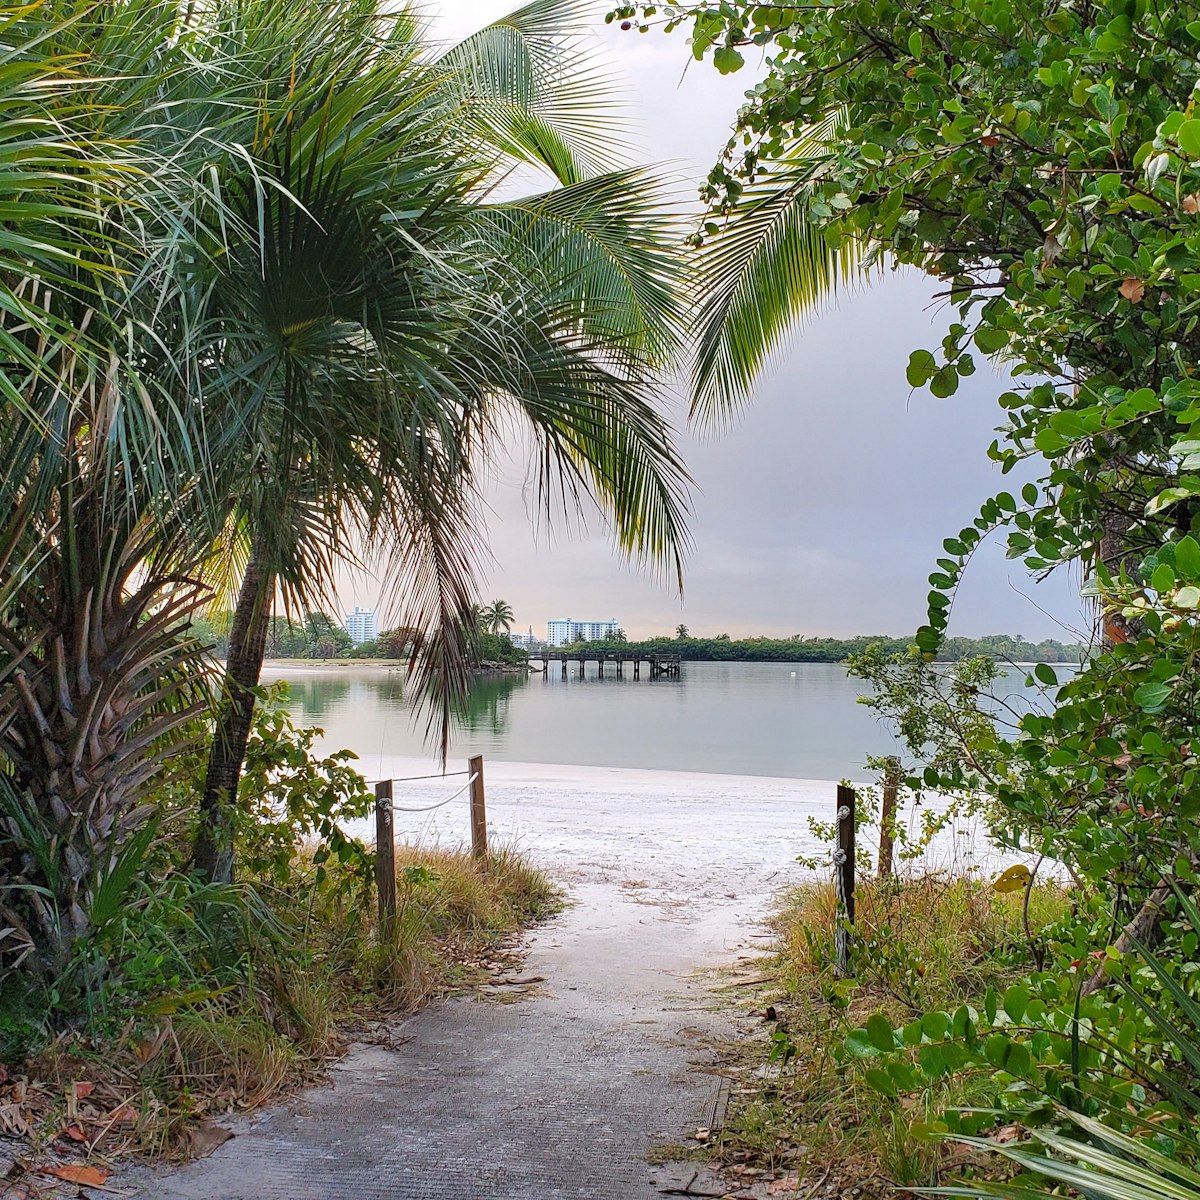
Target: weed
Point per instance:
(924, 942)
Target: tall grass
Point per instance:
(227, 1001)
(924, 943)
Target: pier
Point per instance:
(660, 664)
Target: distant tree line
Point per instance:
(318, 635)
(798, 648)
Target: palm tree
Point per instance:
(498, 616)
(97, 458)
(681, 632)
(377, 314)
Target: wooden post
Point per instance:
(887, 816)
(385, 855)
(479, 846)
(843, 878)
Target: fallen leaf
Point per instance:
(147, 1049)
(12, 1120)
(205, 1137)
(125, 1113)
(787, 1183)
(1190, 204)
(1133, 290)
(1009, 1133)
(74, 1133)
(83, 1089)
(84, 1176)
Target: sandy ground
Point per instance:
(563, 1092)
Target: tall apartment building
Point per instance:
(362, 625)
(565, 631)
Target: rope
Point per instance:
(440, 803)
(412, 778)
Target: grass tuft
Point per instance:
(930, 942)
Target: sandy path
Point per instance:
(562, 1092)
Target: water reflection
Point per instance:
(324, 698)
(487, 707)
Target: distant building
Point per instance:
(524, 641)
(563, 632)
(362, 625)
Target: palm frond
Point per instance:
(1092, 1159)
(764, 272)
(609, 246)
(529, 88)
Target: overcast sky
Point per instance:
(822, 510)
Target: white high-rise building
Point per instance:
(566, 630)
(362, 625)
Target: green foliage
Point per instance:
(498, 648)
(723, 648)
(292, 807)
(932, 943)
(1123, 1060)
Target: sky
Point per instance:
(822, 509)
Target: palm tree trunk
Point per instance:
(213, 851)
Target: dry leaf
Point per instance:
(12, 1120)
(84, 1089)
(205, 1137)
(125, 1114)
(1010, 1133)
(988, 139)
(147, 1049)
(74, 1133)
(84, 1176)
(789, 1183)
(1190, 204)
(1133, 290)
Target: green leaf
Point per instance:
(860, 1045)
(990, 340)
(727, 59)
(1188, 138)
(934, 1061)
(936, 1025)
(922, 367)
(1187, 557)
(1163, 578)
(1169, 496)
(1151, 696)
(945, 382)
(879, 1031)
(1045, 674)
(1016, 998)
(881, 1081)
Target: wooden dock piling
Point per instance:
(385, 855)
(843, 880)
(479, 834)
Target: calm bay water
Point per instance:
(774, 719)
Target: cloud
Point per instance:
(823, 509)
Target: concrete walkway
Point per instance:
(560, 1092)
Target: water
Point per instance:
(782, 720)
